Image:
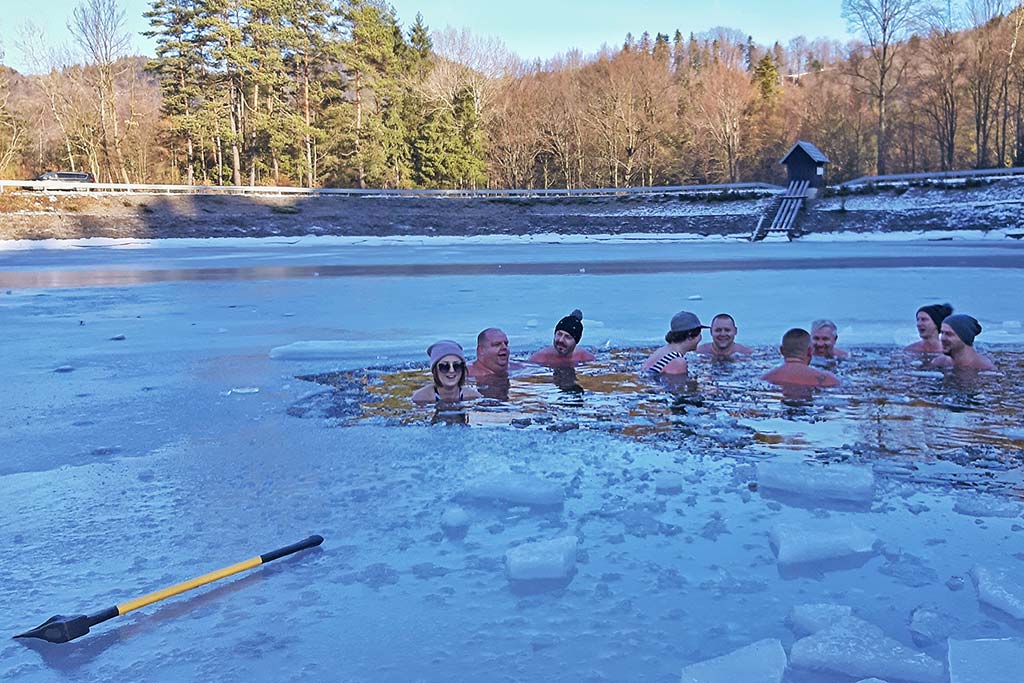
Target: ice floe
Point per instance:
(1000, 589)
(760, 662)
(311, 350)
(815, 480)
(977, 504)
(811, 618)
(929, 625)
(990, 660)
(455, 520)
(819, 540)
(518, 489)
(856, 648)
(554, 559)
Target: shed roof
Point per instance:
(813, 152)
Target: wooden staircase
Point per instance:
(782, 225)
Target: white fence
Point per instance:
(122, 188)
(935, 175)
(265, 191)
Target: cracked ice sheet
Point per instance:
(135, 471)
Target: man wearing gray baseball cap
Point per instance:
(683, 336)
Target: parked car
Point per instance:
(68, 176)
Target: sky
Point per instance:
(533, 29)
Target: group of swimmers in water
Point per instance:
(947, 340)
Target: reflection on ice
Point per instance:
(884, 408)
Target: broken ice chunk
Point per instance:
(995, 660)
(929, 625)
(985, 505)
(999, 589)
(856, 648)
(311, 350)
(760, 662)
(668, 482)
(818, 481)
(554, 559)
(518, 489)
(454, 519)
(818, 540)
(811, 618)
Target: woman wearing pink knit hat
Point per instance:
(448, 370)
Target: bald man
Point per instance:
(795, 369)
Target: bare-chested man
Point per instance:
(492, 354)
(723, 344)
(492, 365)
(958, 333)
(824, 335)
(563, 351)
(796, 369)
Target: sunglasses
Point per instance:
(445, 366)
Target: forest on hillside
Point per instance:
(338, 93)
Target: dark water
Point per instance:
(131, 274)
(889, 405)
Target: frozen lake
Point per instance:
(150, 435)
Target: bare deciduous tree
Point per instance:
(11, 129)
(720, 107)
(98, 27)
(885, 24)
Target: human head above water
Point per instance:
(492, 349)
(684, 325)
(723, 331)
(824, 334)
(568, 332)
(936, 313)
(795, 343)
(454, 360)
(964, 326)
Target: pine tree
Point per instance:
(766, 78)
(661, 51)
(678, 52)
(180, 66)
(376, 58)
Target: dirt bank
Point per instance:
(979, 205)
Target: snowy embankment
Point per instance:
(990, 208)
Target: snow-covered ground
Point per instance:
(148, 439)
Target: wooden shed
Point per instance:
(804, 161)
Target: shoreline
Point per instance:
(918, 210)
(1004, 235)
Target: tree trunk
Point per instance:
(360, 167)
(310, 171)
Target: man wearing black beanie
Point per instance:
(958, 333)
(563, 351)
(929, 323)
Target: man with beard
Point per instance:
(723, 344)
(563, 351)
(958, 333)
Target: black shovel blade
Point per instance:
(59, 629)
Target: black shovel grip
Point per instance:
(310, 542)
